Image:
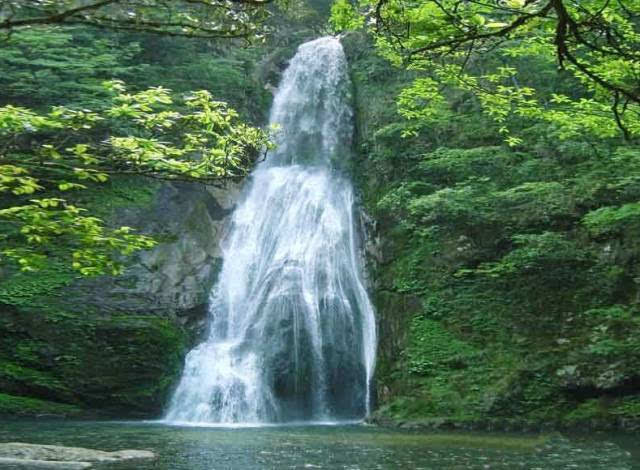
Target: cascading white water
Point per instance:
(292, 331)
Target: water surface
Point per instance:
(355, 447)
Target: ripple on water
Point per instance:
(323, 447)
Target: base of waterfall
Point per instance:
(287, 424)
(19, 455)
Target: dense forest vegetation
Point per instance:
(61, 227)
(506, 196)
(503, 195)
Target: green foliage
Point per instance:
(230, 73)
(67, 362)
(26, 289)
(613, 219)
(206, 18)
(11, 372)
(124, 364)
(520, 265)
(344, 17)
(536, 254)
(494, 52)
(45, 67)
(53, 156)
(205, 143)
(598, 410)
(589, 410)
(23, 406)
(627, 408)
(431, 348)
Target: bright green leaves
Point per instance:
(534, 253)
(460, 46)
(65, 186)
(509, 103)
(611, 220)
(209, 141)
(15, 179)
(140, 106)
(96, 254)
(422, 103)
(45, 222)
(59, 154)
(344, 17)
(16, 120)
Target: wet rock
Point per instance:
(174, 278)
(21, 455)
(8, 464)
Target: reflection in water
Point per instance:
(326, 447)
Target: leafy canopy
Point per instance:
(193, 18)
(480, 47)
(40, 67)
(46, 158)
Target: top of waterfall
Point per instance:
(312, 107)
(330, 41)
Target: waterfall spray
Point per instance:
(292, 330)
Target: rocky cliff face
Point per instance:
(115, 345)
(175, 277)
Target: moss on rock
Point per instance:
(119, 364)
(11, 405)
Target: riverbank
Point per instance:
(378, 418)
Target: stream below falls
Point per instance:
(354, 447)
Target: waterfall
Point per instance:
(292, 332)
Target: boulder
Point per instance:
(9, 463)
(21, 455)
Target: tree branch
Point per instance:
(459, 40)
(203, 25)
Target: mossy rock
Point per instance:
(120, 365)
(22, 406)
